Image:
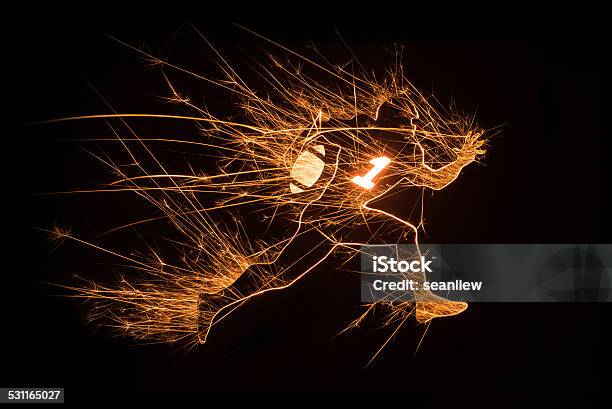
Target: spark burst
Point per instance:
(290, 162)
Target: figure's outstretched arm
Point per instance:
(427, 176)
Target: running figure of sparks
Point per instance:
(301, 162)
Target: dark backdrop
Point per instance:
(543, 180)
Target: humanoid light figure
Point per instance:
(292, 175)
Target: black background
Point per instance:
(544, 180)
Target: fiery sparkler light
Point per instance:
(306, 160)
